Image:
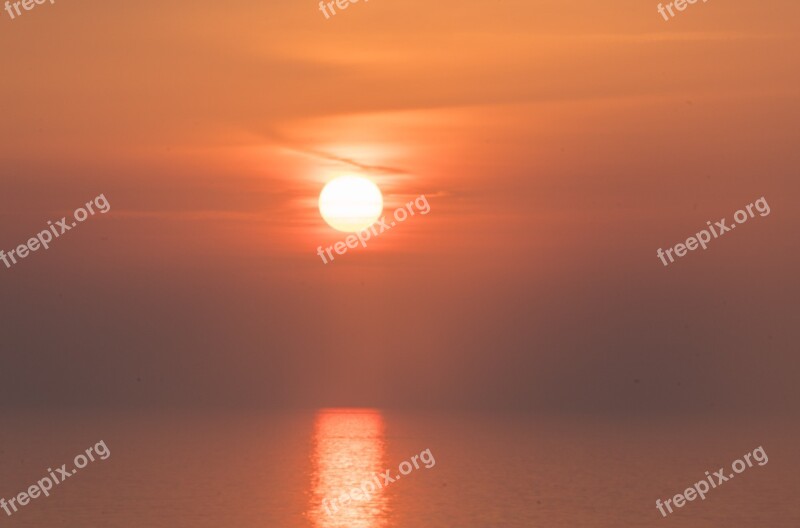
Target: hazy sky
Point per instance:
(560, 144)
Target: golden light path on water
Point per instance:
(348, 451)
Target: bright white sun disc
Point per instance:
(350, 203)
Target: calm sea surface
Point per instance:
(174, 470)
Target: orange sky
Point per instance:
(560, 144)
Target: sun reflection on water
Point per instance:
(348, 450)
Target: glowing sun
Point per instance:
(350, 203)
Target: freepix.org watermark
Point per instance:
(352, 241)
(702, 238)
(368, 487)
(680, 5)
(43, 239)
(341, 4)
(27, 5)
(55, 478)
(700, 488)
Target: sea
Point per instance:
(304, 469)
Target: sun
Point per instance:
(350, 203)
